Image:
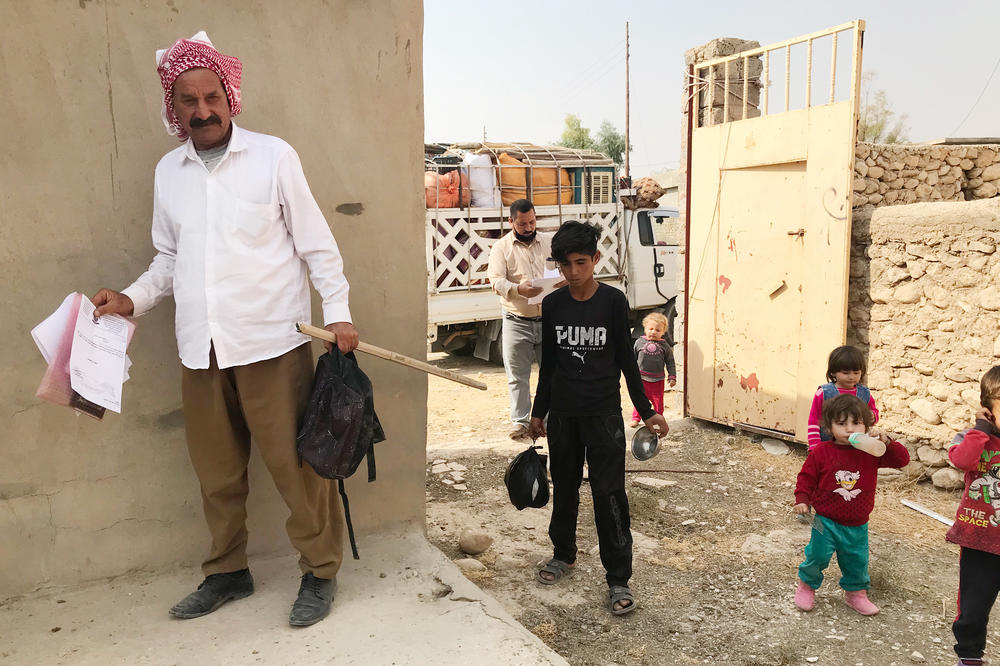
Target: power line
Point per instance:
(978, 99)
(600, 61)
(595, 74)
(588, 86)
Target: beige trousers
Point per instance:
(223, 410)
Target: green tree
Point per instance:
(877, 122)
(611, 142)
(575, 135)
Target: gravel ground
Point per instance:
(715, 553)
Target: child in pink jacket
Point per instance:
(845, 370)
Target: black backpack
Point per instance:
(340, 427)
(526, 481)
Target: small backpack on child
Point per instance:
(830, 391)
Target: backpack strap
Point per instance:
(371, 463)
(347, 518)
(829, 391)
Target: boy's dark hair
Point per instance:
(845, 359)
(575, 236)
(520, 206)
(989, 387)
(845, 405)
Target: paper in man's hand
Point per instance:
(97, 361)
(547, 282)
(87, 361)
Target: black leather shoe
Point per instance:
(313, 603)
(214, 591)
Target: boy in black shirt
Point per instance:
(586, 346)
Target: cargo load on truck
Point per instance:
(497, 174)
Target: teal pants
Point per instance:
(851, 545)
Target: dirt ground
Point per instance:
(715, 554)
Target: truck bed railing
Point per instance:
(459, 241)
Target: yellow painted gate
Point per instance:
(769, 227)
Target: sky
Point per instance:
(519, 67)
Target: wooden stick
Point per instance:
(671, 471)
(395, 357)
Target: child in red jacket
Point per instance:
(838, 481)
(977, 524)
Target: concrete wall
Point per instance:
(924, 304)
(341, 81)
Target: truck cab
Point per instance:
(655, 238)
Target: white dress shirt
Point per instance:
(233, 246)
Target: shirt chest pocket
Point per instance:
(251, 223)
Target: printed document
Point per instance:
(97, 360)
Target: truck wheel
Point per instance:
(496, 350)
(464, 350)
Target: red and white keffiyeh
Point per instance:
(188, 54)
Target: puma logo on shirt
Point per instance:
(581, 336)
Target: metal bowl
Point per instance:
(645, 444)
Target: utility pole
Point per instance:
(484, 133)
(628, 174)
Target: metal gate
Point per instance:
(769, 228)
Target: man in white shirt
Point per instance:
(515, 260)
(235, 228)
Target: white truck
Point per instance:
(640, 250)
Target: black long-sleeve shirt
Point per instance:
(586, 347)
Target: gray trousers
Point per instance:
(522, 344)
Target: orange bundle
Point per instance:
(546, 183)
(447, 190)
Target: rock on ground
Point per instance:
(474, 543)
(948, 479)
(775, 447)
(652, 483)
(469, 564)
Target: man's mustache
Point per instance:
(213, 119)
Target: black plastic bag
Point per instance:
(340, 425)
(526, 481)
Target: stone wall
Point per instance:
(886, 175)
(924, 305)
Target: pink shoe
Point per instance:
(805, 597)
(858, 600)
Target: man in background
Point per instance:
(515, 260)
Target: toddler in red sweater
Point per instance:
(838, 481)
(977, 525)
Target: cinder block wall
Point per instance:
(342, 83)
(924, 305)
